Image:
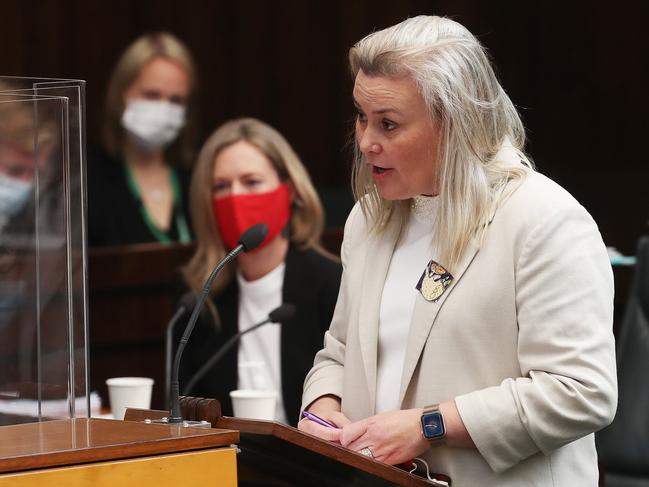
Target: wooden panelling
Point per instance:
(133, 293)
(576, 70)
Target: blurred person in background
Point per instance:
(24, 148)
(247, 173)
(138, 182)
(34, 257)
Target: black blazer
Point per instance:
(311, 283)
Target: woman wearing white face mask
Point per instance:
(137, 185)
(19, 163)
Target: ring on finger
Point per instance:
(367, 452)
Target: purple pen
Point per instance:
(317, 419)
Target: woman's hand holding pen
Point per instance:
(328, 409)
(392, 437)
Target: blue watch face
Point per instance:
(432, 425)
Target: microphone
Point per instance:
(250, 239)
(280, 314)
(186, 302)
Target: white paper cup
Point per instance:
(248, 403)
(129, 392)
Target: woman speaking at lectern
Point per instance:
(474, 323)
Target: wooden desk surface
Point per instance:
(69, 442)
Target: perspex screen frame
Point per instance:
(45, 318)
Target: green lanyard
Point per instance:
(179, 218)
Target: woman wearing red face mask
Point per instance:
(247, 173)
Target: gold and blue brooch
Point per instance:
(434, 281)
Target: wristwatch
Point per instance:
(432, 423)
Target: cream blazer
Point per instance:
(521, 339)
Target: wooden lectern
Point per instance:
(103, 452)
(274, 454)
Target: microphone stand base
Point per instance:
(184, 423)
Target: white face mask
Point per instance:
(153, 125)
(13, 195)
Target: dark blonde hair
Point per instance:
(144, 50)
(307, 217)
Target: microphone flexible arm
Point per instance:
(174, 392)
(169, 335)
(225, 348)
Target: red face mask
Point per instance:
(236, 213)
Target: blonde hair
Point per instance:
(307, 217)
(476, 118)
(142, 51)
(22, 124)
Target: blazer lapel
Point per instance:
(425, 312)
(423, 317)
(377, 261)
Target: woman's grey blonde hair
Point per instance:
(142, 51)
(307, 217)
(476, 120)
